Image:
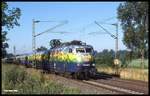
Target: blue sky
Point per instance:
(80, 17)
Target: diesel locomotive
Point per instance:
(75, 60)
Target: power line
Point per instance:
(33, 31)
(65, 22)
(115, 37)
(105, 20)
(106, 30)
(94, 33)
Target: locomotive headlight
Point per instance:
(93, 64)
(79, 59)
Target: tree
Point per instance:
(112, 52)
(125, 59)
(9, 19)
(105, 58)
(42, 48)
(134, 22)
(95, 53)
(9, 55)
(55, 42)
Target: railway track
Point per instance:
(107, 86)
(135, 82)
(133, 85)
(112, 88)
(115, 85)
(123, 85)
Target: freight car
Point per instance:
(75, 60)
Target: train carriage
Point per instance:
(29, 60)
(18, 61)
(23, 59)
(41, 59)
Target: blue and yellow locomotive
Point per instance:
(76, 60)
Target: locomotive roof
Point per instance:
(41, 52)
(71, 46)
(75, 46)
(22, 55)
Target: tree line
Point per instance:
(106, 57)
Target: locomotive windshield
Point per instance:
(88, 50)
(83, 50)
(80, 50)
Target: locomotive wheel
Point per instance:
(93, 75)
(75, 76)
(56, 73)
(86, 77)
(49, 71)
(27, 66)
(81, 76)
(36, 67)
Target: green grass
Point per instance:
(15, 77)
(127, 73)
(137, 63)
(133, 71)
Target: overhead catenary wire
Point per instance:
(106, 30)
(91, 24)
(65, 22)
(105, 20)
(33, 31)
(93, 33)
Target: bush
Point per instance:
(125, 59)
(16, 78)
(107, 60)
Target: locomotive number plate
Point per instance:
(86, 64)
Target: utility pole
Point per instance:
(33, 35)
(14, 51)
(33, 31)
(33, 39)
(117, 46)
(116, 49)
(116, 55)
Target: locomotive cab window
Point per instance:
(88, 50)
(70, 50)
(80, 50)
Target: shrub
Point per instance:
(125, 59)
(107, 60)
(16, 78)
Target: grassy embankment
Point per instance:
(133, 71)
(27, 81)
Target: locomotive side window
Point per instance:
(70, 50)
(88, 50)
(80, 50)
